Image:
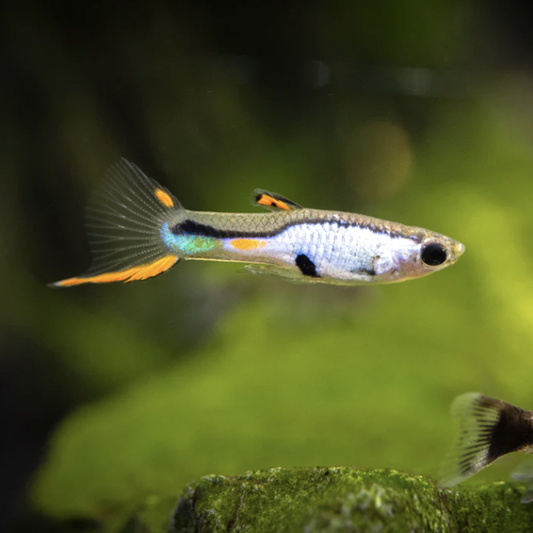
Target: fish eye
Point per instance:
(434, 254)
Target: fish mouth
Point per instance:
(458, 249)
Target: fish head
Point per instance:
(418, 254)
(432, 252)
(438, 251)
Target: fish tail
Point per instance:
(124, 225)
(488, 428)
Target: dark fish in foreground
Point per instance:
(138, 230)
(488, 429)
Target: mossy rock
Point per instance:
(328, 500)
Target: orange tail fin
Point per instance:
(124, 220)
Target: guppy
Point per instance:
(138, 230)
(488, 429)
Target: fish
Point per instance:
(138, 229)
(488, 428)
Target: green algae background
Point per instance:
(295, 375)
(208, 370)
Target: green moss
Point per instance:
(345, 500)
(325, 500)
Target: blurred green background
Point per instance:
(417, 112)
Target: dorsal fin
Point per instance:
(273, 201)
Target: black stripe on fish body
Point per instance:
(511, 433)
(306, 266)
(191, 227)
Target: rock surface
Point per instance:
(343, 499)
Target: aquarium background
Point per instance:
(418, 112)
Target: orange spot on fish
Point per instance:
(265, 199)
(247, 244)
(164, 198)
(131, 274)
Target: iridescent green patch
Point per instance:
(188, 244)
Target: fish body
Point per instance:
(138, 230)
(488, 428)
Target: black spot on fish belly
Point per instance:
(367, 271)
(306, 266)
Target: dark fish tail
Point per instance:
(488, 428)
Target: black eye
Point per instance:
(434, 254)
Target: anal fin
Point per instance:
(287, 273)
